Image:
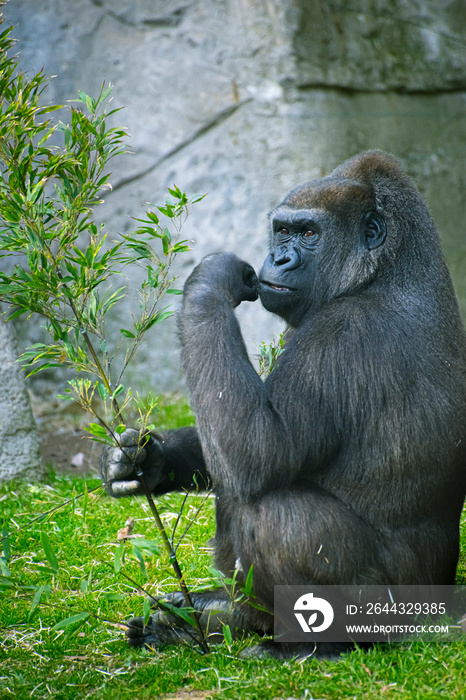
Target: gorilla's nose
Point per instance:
(288, 258)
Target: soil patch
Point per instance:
(64, 444)
(70, 452)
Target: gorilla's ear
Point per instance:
(374, 230)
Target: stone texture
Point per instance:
(19, 445)
(245, 99)
(406, 45)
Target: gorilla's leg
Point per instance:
(297, 537)
(306, 537)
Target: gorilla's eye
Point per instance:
(284, 231)
(307, 233)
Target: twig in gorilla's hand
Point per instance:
(173, 560)
(158, 522)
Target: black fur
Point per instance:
(348, 464)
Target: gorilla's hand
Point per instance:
(225, 275)
(120, 465)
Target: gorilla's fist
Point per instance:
(222, 275)
(120, 465)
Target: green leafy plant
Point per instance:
(64, 262)
(269, 354)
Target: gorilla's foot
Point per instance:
(138, 634)
(160, 629)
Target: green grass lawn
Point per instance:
(69, 557)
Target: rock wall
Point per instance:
(19, 445)
(243, 99)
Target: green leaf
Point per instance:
(198, 198)
(118, 391)
(49, 553)
(46, 365)
(227, 636)
(174, 291)
(90, 104)
(183, 613)
(37, 596)
(150, 547)
(103, 391)
(107, 440)
(4, 568)
(82, 616)
(180, 248)
(65, 398)
(17, 313)
(146, 610)
(6, 544)
(175, 192)
(119, 556)
(167, 211)
(97, 430)
(138, 554)
(126, 333)
(163, 315)
(248, 583)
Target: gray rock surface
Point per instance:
(381, 45)
(243, 100)
(19, 445)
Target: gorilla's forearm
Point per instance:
(184, 467)
(234, 411)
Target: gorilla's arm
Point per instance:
(249, 444)
(172, 462)
(184, 467)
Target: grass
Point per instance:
(73, 566)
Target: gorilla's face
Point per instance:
(318, 250)
(285, 277)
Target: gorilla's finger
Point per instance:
(126, 488)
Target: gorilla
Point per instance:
(348, 464)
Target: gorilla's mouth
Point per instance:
(277, 287)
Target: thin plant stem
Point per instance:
(191, 522)
(160, 527)
(158, 522)
(173, 561)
